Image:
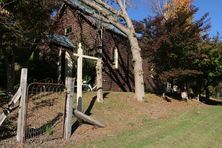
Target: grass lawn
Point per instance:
(132, 124)
(197, 127)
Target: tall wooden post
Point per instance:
(69, 65)
(69, 110)
(79, 78)
(99, 80)
(22, 107)
(59, 66)
(99, 74)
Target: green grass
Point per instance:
(196, 128)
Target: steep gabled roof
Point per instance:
(61, 40)
(88, 13)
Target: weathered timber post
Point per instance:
(99, 74)
(69, 102)
(69, 65)
(198, 97)
(99, 80)
(11, 105)
(22, 107)
(59, 66)
(79, 78)
(88, 119)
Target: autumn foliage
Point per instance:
(180, 49)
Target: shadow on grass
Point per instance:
(8, 129)
(210, 101)
(44, 103)
(78, 123)
(46, 128)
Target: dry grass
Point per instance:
(120, 112)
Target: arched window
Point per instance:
(115, 59)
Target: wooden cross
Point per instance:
(79, 76)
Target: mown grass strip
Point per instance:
(189, 129)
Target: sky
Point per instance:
(142, 10)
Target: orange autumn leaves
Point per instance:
(175, 6)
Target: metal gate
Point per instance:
(45, 111)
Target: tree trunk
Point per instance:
(137, 59)
(10, 72)
(138, 68)
(207, 93)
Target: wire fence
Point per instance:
(45, 111)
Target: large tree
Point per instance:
(174, 40)
(115, 13)
(23, 24)
(168, 8)
(209, 61)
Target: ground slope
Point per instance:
(153, 123)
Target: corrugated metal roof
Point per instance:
(61, 40)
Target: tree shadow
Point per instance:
(37, 95)
(44, 103)
(91, 104)
(8, 128)
(122, 78)
(105, 95)
(209, 101)
(78, 123)
(47, 127)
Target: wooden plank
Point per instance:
(2, 118)
(88, 119)
(16, 97)
(79, 78)
(87, 57)
(10, 106)
(22, 108)
(69, 105)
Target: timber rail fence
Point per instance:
(45, 110)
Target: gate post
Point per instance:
(99, 73)
(99, 80)
(79, 78)
(69, 104)
(22, 107)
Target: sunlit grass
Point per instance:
(193, 128)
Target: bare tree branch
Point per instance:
(106, 16)
(2, 5)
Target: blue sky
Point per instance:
(142, 10)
